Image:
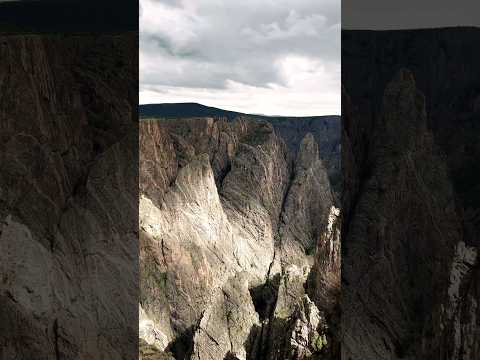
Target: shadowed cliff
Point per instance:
(68, 197)
(410, 201)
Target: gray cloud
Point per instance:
(210, 44)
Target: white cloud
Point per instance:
(272, 57)
(295, 26)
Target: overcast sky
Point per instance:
(276, 57)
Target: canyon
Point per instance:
(68, 196)
(410, 281)
(233, 236)
(239, 242)
(325, 129)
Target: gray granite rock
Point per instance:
(227, 249)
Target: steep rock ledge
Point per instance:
(68, 197)
(405, 260)
(216, 276)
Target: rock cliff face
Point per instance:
(229, 225)
(68, 197)
(409, 232)
(325, 129)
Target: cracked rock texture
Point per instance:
(410, 203)
(230, 220)
(325, 129)
(68, 197)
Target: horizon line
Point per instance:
(239, 112)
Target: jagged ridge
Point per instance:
(228, 225)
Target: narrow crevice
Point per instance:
(227, 315)
(56, 337)
(267, 277)
(10, 296)
(51, 241)
(291, 179)
(182, 346)
(230, 356)
(210, 337)
(227, 318)
(223, 174)
(163, 252)
(264, 298)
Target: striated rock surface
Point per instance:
(227, 247)
(68, 197)
(409, 253)
(227, 327)
(405, 160)
(158, 163)
(449, 83)
(307, 204)
(325, 129)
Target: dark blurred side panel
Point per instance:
(411, 219)
(68, 181)
(85, 16)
